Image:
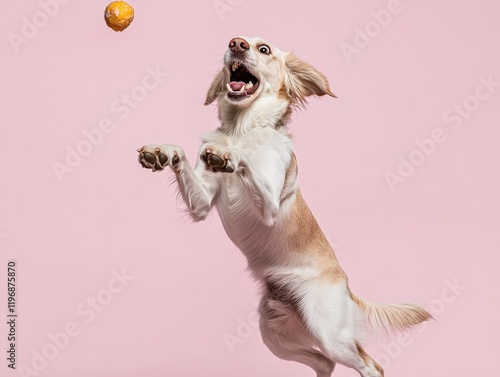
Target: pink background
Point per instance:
(190, 291)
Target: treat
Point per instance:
(119, 15)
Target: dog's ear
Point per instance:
(217, 86)
(302, 80)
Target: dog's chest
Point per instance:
(241, 222)
(234, 202)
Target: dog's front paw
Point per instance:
(157, 157)
(218, 161)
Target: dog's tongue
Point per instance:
(236, 85)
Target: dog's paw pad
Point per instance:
(217, 162)
(163, 159)
(157, 158)
(150, 158)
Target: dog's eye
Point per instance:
(264, 49)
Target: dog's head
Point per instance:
(254, 67)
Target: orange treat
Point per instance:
(119, 15)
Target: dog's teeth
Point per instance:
(229, 87)
(249, 85)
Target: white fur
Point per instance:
(308, 313)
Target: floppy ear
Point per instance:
(302, 80)
(217, 86)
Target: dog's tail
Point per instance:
(390, 318)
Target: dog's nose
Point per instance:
(238, 45)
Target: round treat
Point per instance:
(118, 15)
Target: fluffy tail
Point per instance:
(387, 319)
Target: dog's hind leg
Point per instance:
(286, 336)
(332, 317)
(368, 360)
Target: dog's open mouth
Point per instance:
(242, 83)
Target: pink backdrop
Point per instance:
(401, 171)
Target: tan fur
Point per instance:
(302, 80)
(216, 87)
(290, 184)
(388, 318)
(305, 235)
(368, 360)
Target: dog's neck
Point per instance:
(262, 112)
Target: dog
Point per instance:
(248, 171)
